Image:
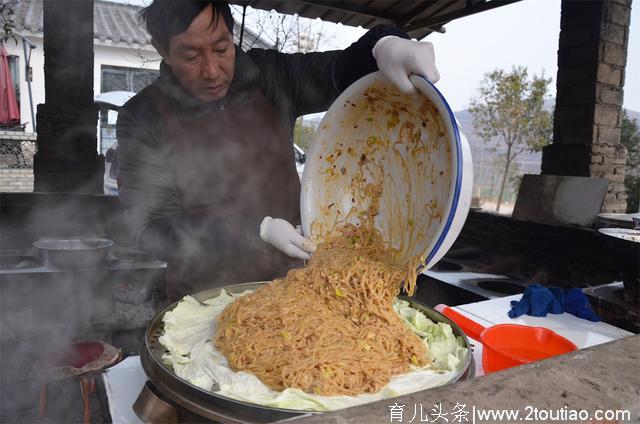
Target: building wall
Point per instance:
(105, 53)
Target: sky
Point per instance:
(523, 33)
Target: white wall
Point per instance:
(105, 53)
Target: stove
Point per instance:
(128, 276)
(26, 261)
(615, 306)
(468, 275)
(42, 308)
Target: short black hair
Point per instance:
(166, 18)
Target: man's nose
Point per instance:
(210, 67)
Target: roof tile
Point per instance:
(114, 21)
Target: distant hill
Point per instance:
(487, 165)
(466, 120)
(632, 114)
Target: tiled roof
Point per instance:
(117, 22)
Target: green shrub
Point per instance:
(632, 183)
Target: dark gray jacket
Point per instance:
(294, 84)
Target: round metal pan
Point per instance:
(74, 253)
(223, 409)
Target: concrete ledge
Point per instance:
(603, 377)
(560, 199)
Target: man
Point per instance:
(205, 152)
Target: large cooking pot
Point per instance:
(220, 408)
(624, 245)
(74, 253)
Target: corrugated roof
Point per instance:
(418, 18)
(117, 22)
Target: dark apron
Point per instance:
(237, 165)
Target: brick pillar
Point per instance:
(67, 158)
(592, 57)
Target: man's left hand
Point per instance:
(398, 58)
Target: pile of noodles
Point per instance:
(328, 328)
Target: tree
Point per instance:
(7, 21)
(510, 110)
(287, 33)
(630, 138)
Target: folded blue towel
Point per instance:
(538, 301)
(576, 303)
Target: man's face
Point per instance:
(203, 58)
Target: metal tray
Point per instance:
(223, 409)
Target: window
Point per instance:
(116, 78)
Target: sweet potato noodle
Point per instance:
(328, 328)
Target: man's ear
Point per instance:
(160, 49)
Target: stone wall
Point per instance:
(591, 69)
(608, 156)
(16, 180)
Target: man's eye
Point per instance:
(222, 51)
(190, 58)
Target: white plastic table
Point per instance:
(581, 332)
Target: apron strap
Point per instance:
(168, 113)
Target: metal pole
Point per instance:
(27, 61)
(244, 13)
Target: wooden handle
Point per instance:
(43, 397)
(85, 389)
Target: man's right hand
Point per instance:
(284, 236)
(398, 58)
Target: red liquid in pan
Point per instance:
(77, 355)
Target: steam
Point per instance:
(197, 199)
(214, 221)
(43, 310)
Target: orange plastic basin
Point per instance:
(509, 345)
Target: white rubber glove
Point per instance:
(397, 58)
(284, 237)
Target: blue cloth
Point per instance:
(576, 303)
(538, 301)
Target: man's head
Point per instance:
(195, 39)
